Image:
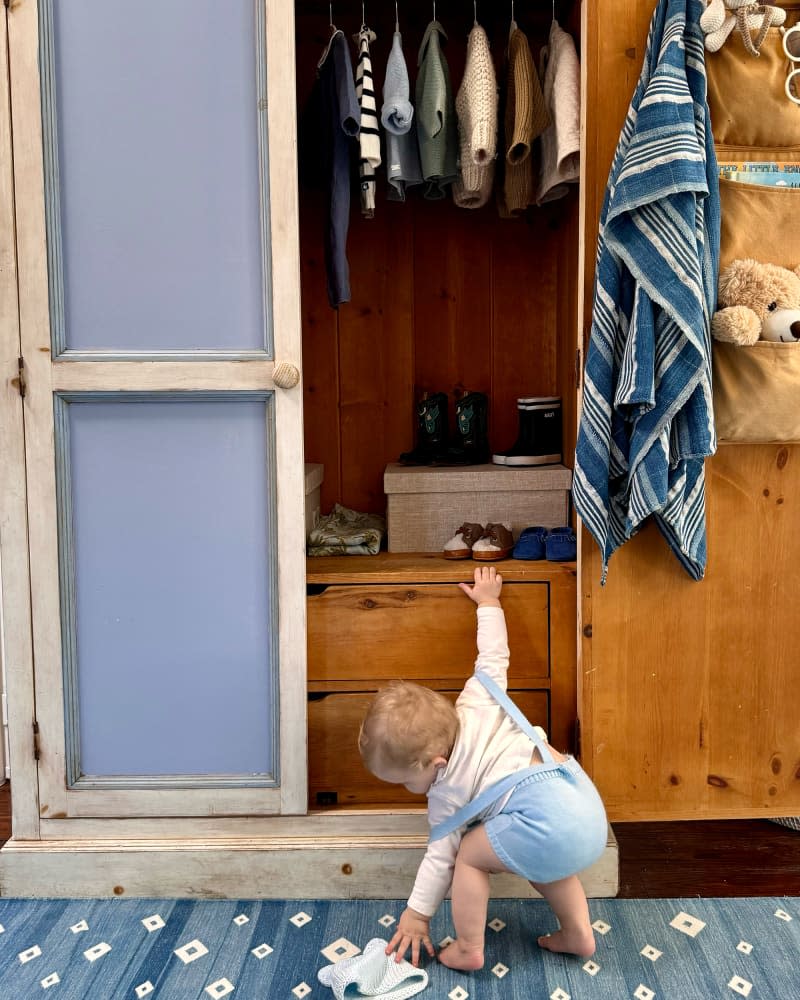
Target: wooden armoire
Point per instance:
(679, 696)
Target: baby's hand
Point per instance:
(413, 930)
(487, 586)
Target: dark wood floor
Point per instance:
(716, 858)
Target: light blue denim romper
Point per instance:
(553, 824)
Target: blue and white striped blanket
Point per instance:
(647, 421)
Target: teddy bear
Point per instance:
(721, 16)
(757, 302)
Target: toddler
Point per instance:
(500, 799)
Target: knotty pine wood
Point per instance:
(373, 619)
(689, 689)
(443, 299)
(656, 860)
(354, 632)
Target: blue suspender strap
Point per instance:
(461, 817)
(505, 702)
(475, 807)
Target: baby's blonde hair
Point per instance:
(406, 726)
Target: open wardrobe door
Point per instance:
(687, 695)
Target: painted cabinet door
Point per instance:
(154, 175)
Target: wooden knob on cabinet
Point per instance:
(285, 375)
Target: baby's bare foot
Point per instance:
(577, 941)
(463, 957)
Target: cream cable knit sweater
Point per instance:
(561, 141)
(476, 108)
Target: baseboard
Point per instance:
(246, 868)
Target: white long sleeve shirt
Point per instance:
(489, 745)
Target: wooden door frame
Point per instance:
(16, 653)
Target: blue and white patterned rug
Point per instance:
(681, 949)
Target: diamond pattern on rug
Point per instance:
(339, 949)
(666, 949)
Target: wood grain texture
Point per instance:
(689, 690)
(416, 631)
(424, 567)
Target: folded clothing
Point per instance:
(346, 532)
(373, 973)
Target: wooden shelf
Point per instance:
(426, 567)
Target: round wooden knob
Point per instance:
(285, 376)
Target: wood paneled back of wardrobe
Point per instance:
(443, 298)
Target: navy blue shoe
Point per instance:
(561, 544)
(530, 544)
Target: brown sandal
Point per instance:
(460, 545)
(496, 542)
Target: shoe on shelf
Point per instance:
(471, 446)
(530, 544)
(561, 545)
(539, 438)
(460, 545)
(496, 542)
(431, 444)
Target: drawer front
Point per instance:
(384, 631)
(336, 776)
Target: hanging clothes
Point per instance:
(403, 168)
(436, 126)
(525, 117)
(369, 136)
(476, 110)
(339, 126)
(647, 422)
(561, 140)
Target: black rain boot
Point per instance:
(472, 421)
(539, 438)
(431, 443)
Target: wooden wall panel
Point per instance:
(376, 342)
(320, 334)
(567, 322)
(688, 690)
(444, 299)
(524, 308)
(453, 298)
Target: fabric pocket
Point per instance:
(746, 96)
(759, 222)
(757, 392)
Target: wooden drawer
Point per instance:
(382, 631)
(336, 776)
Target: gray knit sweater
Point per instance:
(436, 115)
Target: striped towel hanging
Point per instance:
(647, 422)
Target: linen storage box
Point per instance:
(426, 504)
(314, 475)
